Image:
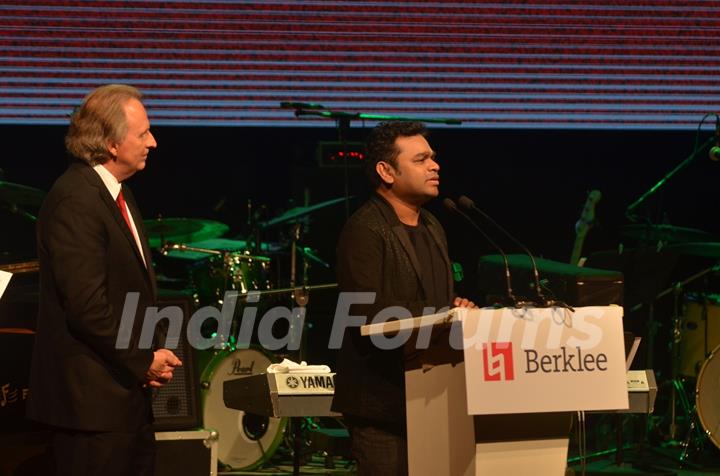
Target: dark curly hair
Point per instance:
(380, 145)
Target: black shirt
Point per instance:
(432, 266)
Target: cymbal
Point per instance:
(20, 195)
(700, 249)
(220, 244)
(182, 230)
(297, 212)
(666, 233)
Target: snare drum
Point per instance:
(245, 441)
(692, 343)
(707, 401)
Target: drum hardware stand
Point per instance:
(694, 428)
(301, 298)
(254, 226)
(694, 437)
(674, 359)
(677, 289)
(298, 295)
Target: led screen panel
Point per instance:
(645, 64)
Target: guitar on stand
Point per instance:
(584, 224)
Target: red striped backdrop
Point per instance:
(642, 64)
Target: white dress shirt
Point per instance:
(114, 188)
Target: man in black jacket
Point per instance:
(91, 388)
(395, 248)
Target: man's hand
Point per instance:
(161, 369)
(462, 302)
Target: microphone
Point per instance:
(301, 105)
(467, 203)
(714, 153)
(450, 205)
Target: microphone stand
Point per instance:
(630, 211)
(511, 300)
(343, 120)
(543, 301)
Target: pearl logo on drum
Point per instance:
(239, 369)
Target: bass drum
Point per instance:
(706, 396)
(701, 313)
(245, 441)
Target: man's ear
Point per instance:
(112, 148)
(385, 171)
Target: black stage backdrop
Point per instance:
(533, 182)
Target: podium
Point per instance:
(491, 391)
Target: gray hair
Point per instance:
(99, 119)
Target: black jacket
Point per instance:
(88, 262)
(375, 253)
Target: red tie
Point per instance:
(123, 209)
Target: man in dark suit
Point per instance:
(93, 251)
(395, 248)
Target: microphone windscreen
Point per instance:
(465, 202)
(450, 205)
(714, 154)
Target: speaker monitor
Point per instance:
(176, 405)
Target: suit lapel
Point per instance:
(402, 236)
(114, 210)
(120, 221)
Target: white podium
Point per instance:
(491, 391)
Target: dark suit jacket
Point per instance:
(88, 262)
(375, 253)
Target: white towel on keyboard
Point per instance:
(288, 366)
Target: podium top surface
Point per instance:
(409, 324)
(440, 318)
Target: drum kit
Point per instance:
(211, 265)
(694, 331)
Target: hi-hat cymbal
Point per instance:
(297, 212)
(20, 195)
(701, 249)
(182, 230)
(666, 233)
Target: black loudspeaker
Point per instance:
(176, 405)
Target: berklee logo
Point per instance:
(498, 361)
